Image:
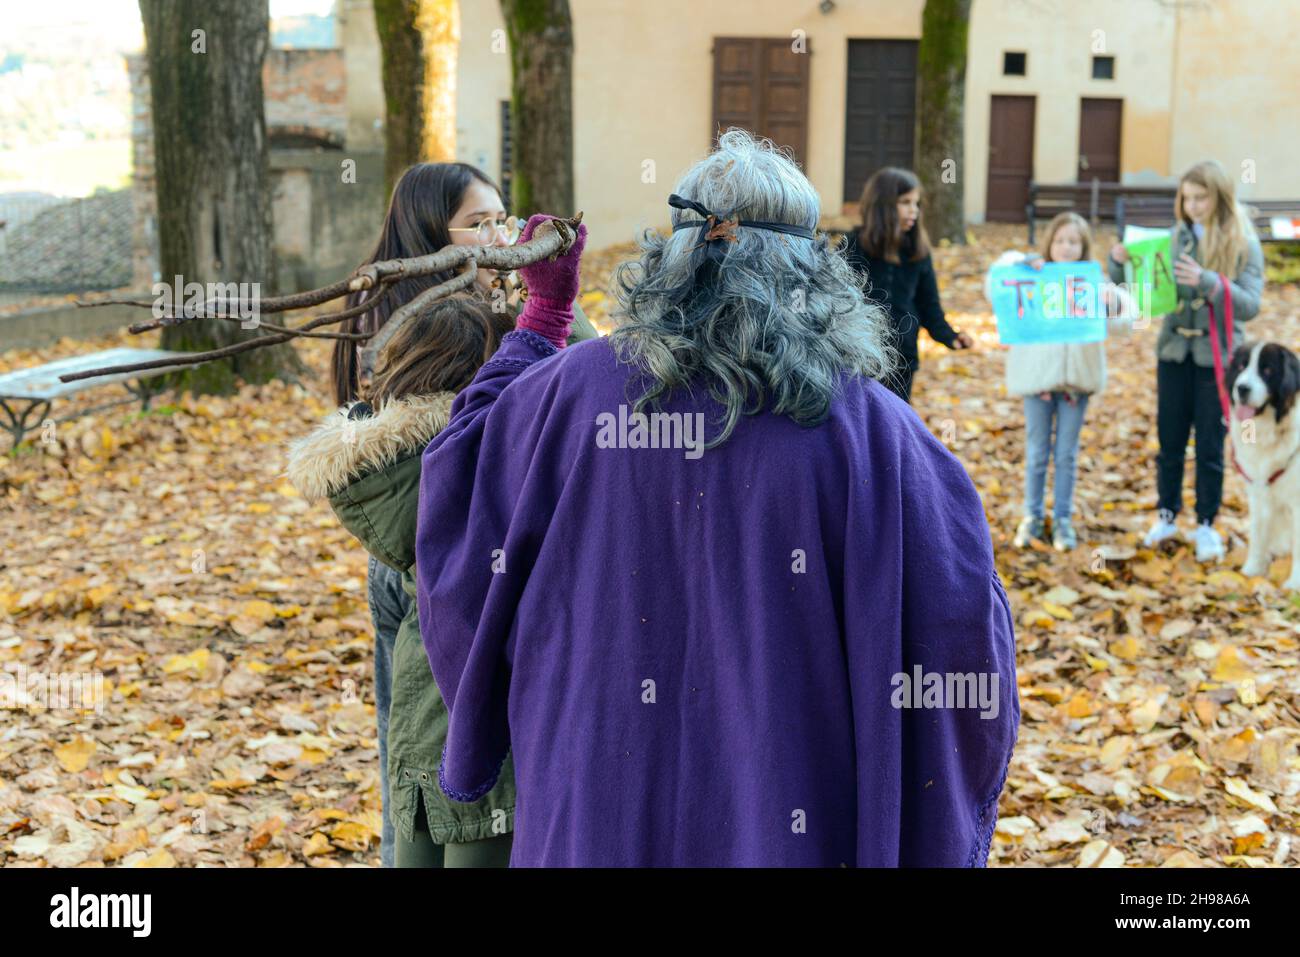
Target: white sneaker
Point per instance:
(1209, 545)
(1163, 530)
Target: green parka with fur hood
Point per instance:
(369, 470)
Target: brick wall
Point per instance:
(324, 226)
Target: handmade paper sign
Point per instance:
(1062, 302)
(1150, 271)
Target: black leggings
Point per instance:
(1186, 398)
(423, 852)
(899, 382)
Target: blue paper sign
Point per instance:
(1062, 302)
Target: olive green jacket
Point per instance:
(1192, 314)
(369, 470)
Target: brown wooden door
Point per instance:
(1099, 134)
(760, 84)
(880, 110)
(1011, 158)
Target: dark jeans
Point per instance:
(388, 606)
(1188, 398)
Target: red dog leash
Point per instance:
(1224, 400)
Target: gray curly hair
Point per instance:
(782, 320)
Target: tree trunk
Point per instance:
(940, 140)
(214, 196)
(541, 105)
(402, 60)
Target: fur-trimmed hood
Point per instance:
(343, 450)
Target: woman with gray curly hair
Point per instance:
(717, 591)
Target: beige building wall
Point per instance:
(363, 75)
(643, 92)
(1237, 94)
(643, 89)
(1060, 38)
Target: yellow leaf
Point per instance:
(160, 858)
(317, 844)
(1080, 705)
(351, 836)
(312, 756)
(260, 508)
(1062, 595)
(96, 596)
(1058, 611)
(1100, 854)
(1238, 788)
(196, 660)
(1143, 717)
(258, 609)
(1251, 842)
(1230, 667)
(1152, 572)
(75, 755)
(132, 842)
(1127, 648)
(1167, 795)
(1226, 579)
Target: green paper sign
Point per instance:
(1151, 274)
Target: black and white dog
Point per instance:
(1262, 382)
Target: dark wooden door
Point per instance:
(1099, 135)
(760, 84)
(1011, 158)
(880, 110)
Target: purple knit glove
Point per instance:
(552, 287)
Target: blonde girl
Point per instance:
(1212, 236)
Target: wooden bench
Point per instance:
(1159, 213)
(26, 394)
(1096, 202)
(1153, 212)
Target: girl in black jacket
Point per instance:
(892, 250)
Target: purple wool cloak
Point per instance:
(722, 660)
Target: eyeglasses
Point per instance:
(486, 231)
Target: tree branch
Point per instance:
(552, 239)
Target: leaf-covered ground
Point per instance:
(166, 552)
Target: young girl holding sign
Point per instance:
(1212, 236)
(1055, 380)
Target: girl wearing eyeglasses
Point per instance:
(433, 205)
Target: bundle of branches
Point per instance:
(552, 239)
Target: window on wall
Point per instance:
(1013, 64)
(1103, 68)
(506, 147)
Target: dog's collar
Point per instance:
(1272, 478)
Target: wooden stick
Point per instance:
(552, 239)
